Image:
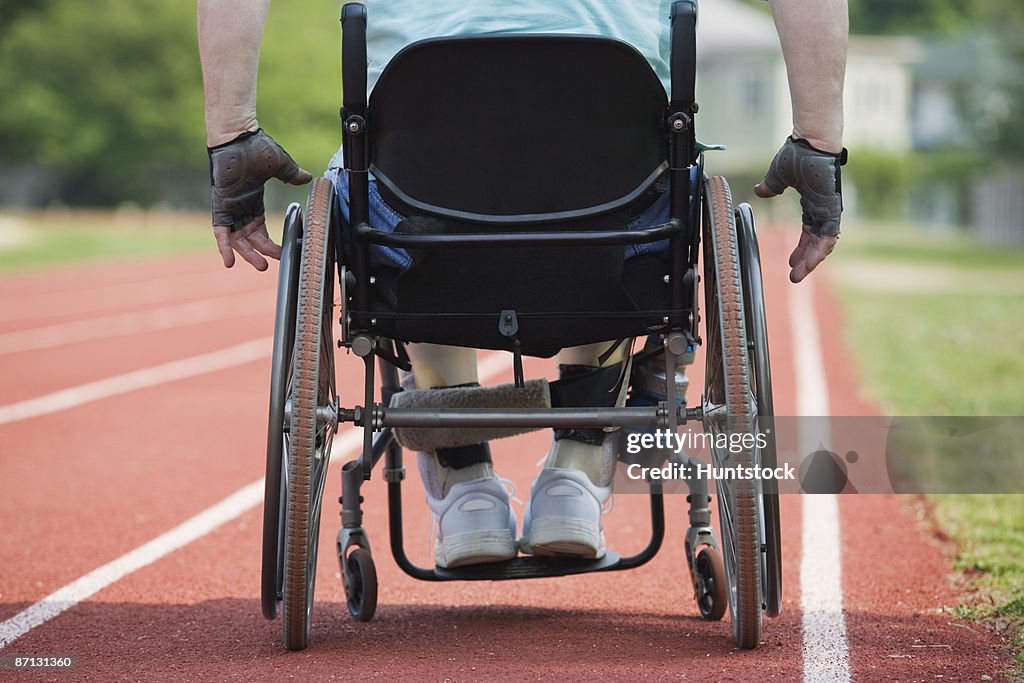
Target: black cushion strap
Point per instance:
(586, 386)
(464, 456)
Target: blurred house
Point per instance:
(957, 94)
(959, 103)
(744, 93)
(937, 100)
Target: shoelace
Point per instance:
(510, 489)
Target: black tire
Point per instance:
(360, 578)
(308, 445)
(711, 585)
(761, 374)
(728, 387)
(280, 374)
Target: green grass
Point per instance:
(898, 243)
(939, 354)
(32, 241)
(937, 327)
(990, 530)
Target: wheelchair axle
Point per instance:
(329, 414)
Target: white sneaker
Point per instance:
(475, 522)
(564, 515)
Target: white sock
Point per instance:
(575, 455)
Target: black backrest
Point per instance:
(536, 128)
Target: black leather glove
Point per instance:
(816, 176)
(238, 171)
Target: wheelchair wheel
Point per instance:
(761, 374)
(310, 432)
(360, 577)
(284, 341)
(730, 408)
(711, 584)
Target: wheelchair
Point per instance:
(517, 147)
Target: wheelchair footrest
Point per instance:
(535, 394)
(528, 567)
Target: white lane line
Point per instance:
(151, 320)
(239, 354)
(238, 503)
(73, 593)
(92, 300)
(825, 649)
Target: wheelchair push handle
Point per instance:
(684, 55)
(353, 58)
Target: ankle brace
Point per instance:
(589, 386)
(463, 456)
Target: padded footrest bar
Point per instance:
(636, 416)
(535, 395)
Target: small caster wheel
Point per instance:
(360, 577)
(710, 584)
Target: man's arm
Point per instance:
(230, 32)
(814, 37)
(242, 157)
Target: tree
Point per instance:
(907, 16)
(106, 95)
(998, 121)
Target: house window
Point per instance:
(751, 94)
(874, 96)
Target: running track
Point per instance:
(132, 431)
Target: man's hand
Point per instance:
(249, 242)
(238, 171)
(816, 176)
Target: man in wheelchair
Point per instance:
(471, 503)
(476, 523)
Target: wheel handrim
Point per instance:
(761, 386)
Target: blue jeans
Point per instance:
(383, 217)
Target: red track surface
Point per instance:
(84, 486)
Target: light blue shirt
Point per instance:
(393, 24)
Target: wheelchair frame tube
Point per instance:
(672, 229)
(634, 416)
(355, 141)
(679, 201)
